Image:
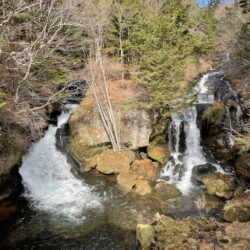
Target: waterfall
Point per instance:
(184, 156)
(49, 183)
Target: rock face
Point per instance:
(243, 165)
(145, 168)
(238, 209)
(219, 185)
(145, 235)
(135, 125)
(159, 153)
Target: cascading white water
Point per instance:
(49, 184)
(179, 168)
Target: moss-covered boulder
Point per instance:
(242, 145)
(238, 209)
(145, 235)
(145, 168)
(242, 165)
(159, 153)
(219, 184)
(214, 114)
(111, 162)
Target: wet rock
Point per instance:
(213, 204)
(146, 168)
(143, 187)
(219, 185)
(242, 166)
(7, 210)
(201, 170)
(145, 235)
(238, 209)
(165, 191)
(111, 162)
(159, 153)
(126, 182)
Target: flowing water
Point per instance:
(69, 210)
(49, 183)
(184, 139)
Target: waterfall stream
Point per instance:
(184, 139)
(49, 183)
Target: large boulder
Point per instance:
(219, 184)
(159, 153)
(145, 168)
(242, 166)
(145, 235)
(238, 209)
(111, 162)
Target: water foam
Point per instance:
(49, 183)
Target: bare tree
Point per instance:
(93, 19)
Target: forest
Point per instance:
(112, 102)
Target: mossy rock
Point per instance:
(145, 235)
(242, 165)
(219, 184)
(215, 113)
(238, 209)
(242, 145)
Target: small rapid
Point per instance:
(49, 184)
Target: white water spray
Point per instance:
(179, 168)
(49, 183)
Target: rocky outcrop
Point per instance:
(219, 185)
(238, 209)
(242, 165)
(134, 124)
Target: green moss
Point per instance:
(2, 100)
(23, 17)
(215, 113)
(2, 40)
